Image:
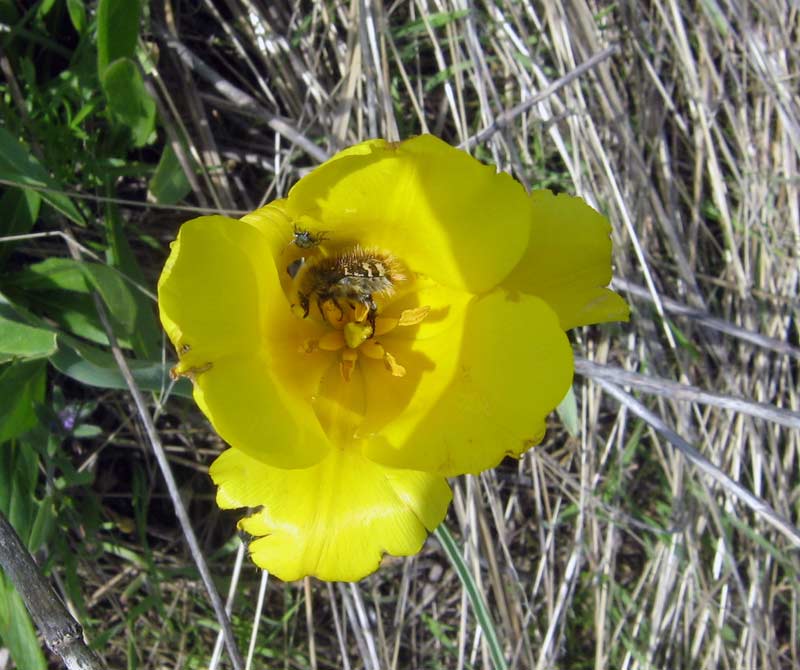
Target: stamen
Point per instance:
(332, 313)
(308, 346)
(333, 340)
(356, 333)
(347, 363)
(411, 317)
(372, 349)
(393, 366)
(384, 324)
(360, 312)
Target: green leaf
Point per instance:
(17, 631)
(19, 165)
(117, 31)
(44, 7)
(129, 102)
(145, 333)
(115, 292)
(568, 413)
(43, 524)
(22, 385)
(18, 341)
(20, 209)
(479, 607)
(54, 275)
(169, 183)
(94, 367)
(77, 14)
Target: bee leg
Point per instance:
(321, 302)
(304, 304)
(371, 314)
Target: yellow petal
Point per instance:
(335, 520)
(437, 209)
(254, 412)
(222, 305)
(274, 224)
(210, 291)
(505, 364)
(568, 262)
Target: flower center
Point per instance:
(352, 334)
(347, 290)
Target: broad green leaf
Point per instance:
(52, 276)
(145, 333)
(18, 341)
(94, 367)
(20, 208)
(169, 183)
(53, 273)
(17, 631)
(20, 465)
(115, 292)
(129, 102)
(19, 165)
(22, 384)
(43, 524)
(117, 31)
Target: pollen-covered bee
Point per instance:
(354, 277)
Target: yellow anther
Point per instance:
(393, 366)
(355, 333)
(384, 324)
(372, 349)
(332, 313)
(360, 312)
(308, 346)
(347, 363)
(411, 317)
(333, 340)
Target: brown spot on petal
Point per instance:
(177, 372)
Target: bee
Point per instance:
(353, 277)
(307, 239)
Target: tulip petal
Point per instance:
(334, 520)
(507, 367)
(209, 292)
(437, 209)
(223, 307)
(252, 411)
(568, 262)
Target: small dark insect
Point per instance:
(307, 239)
(354, 278)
